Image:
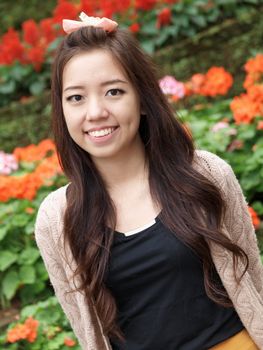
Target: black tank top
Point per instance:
(158, 285)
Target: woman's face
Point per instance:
(100, 105)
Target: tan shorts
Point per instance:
(240, 341)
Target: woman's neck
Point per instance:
(125, 168)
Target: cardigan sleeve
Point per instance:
(237, 220)
(47, 229)
(239, 224)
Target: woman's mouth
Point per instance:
(101, 132)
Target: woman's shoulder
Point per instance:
(213, 167)
(51, 211)
(54, 200)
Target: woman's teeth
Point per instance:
(100, 133)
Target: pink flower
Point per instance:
(223, 125)
(170, 86)
(8, 163)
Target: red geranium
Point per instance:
(145, 4)
(65, 10)
(11, 48)
(164, 17)
(31, 33)
(134, 28)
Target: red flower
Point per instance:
(31, 32)
(171, 1)
(11, 48)
(145, 4)
(89, 6)
(134, 28)
(64, 10)
(109, 7)
(164, 17)
(47, 29)
(36, 56)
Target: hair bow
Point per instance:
(107, 24)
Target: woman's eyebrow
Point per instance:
(105, 83)
(113, 81)
(74, 87)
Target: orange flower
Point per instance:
(255, 93)
(32, 152)
(194, 85)
(164, 17)
(217, 82)
(26, 186)
(29, 210)
(251, 79)
(244, 110)
(69, 342)
(255, 218)
(26, 331)
(255, 64)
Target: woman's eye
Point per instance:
(74, 98)
(115, 92)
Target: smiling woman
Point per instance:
(101, 106)
(150, 246)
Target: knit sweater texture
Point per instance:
(247, 296)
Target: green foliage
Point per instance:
(25, 123)
(53, 328)
(21, 80)
(22, 272)
(240, 145)
(14, 14)
(188, 18)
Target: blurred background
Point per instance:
(209, 55)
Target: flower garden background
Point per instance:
(220, 104)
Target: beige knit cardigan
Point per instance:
(247, 297)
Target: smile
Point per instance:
(102, 132)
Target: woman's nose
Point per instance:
(95, 109)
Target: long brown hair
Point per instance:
(189, 201)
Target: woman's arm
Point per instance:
(238, 222)
(48, 225)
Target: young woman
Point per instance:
(150, 246)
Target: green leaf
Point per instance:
(20, 220)
(3, 232)
(20, 71)
(27, 274)
(199, 20)
(258, 206)
(10, 284)
(41, 271)
(7, 258)
(28, 256)
(37, 87)
(148, 46)
(8, 87)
